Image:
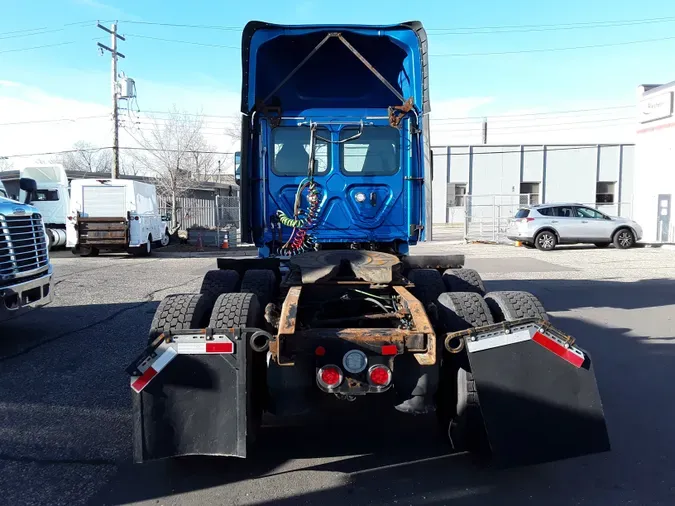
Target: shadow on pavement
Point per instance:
(565, 294)
(384, 457)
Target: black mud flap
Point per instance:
(198, 404)
(537, 393)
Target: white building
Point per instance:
(497, 178)
(654, 186)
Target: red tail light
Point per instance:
(526, 220)
(389, 349)
(329, 376)
(379, 375)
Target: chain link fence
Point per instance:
(212, 219)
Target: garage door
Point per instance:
(103, 201)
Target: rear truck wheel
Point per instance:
(218, 282)
(458, 406)
(602, 244)
(166, 239)
(624, 238)
(262, 283)
(428, 285)
(179, 312)
(546, 240)
(463, 280)
(88, 251)
(233, 310)
(510, 306)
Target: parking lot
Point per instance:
(65, 425)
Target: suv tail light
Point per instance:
(526, 220)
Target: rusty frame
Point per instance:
(410, 340)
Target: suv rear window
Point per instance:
(522, 213)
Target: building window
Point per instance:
(604, 192)
(456, 194)
(530, 193)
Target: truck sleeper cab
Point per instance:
(117, 215)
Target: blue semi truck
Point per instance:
(335, 176)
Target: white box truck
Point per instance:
(51, 198)
(114, 214)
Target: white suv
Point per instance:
(546, 225)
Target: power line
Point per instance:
(132, 148)
(554, 49)
(507, 127)
(546, 27)
(37, 47)
(182, 41)
(551, 113)
(53, 120)
(178, 25)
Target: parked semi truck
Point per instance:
(51, 198)
(335, 188)
(116, 215)
(25, 268)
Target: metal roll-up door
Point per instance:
(103, 201)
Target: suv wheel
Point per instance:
(624, 238)
(546, 240)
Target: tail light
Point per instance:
(379, 376)
(526, 220)
(329, 377)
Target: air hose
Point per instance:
(300, 239)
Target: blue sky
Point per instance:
(193, 76)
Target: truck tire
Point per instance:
(509, 306)
(233, 310)
(428, 285)
(88, 251)
(218, 282)
(463, 280)
(462, 310)
(179, 312)
(262, 283)
(458, 404)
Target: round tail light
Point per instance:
(379, 376)
(329, 376)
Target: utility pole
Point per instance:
(113, 51)
(484, 130)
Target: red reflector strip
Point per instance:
(140, 383)
(219, 348)
(558, 349)
(389, 349)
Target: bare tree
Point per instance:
(130, 165)
(85, 157)
(176, 153)
(5, 164)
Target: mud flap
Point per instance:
(537, 393)
(191, 398)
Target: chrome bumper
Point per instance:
(22, 296)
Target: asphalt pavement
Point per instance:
(65, 426)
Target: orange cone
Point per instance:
(226, 242)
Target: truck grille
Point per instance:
(23, 245)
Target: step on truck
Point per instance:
(25, 269)
(114, 215)
(335, 189)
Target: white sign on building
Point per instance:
(656, 107)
